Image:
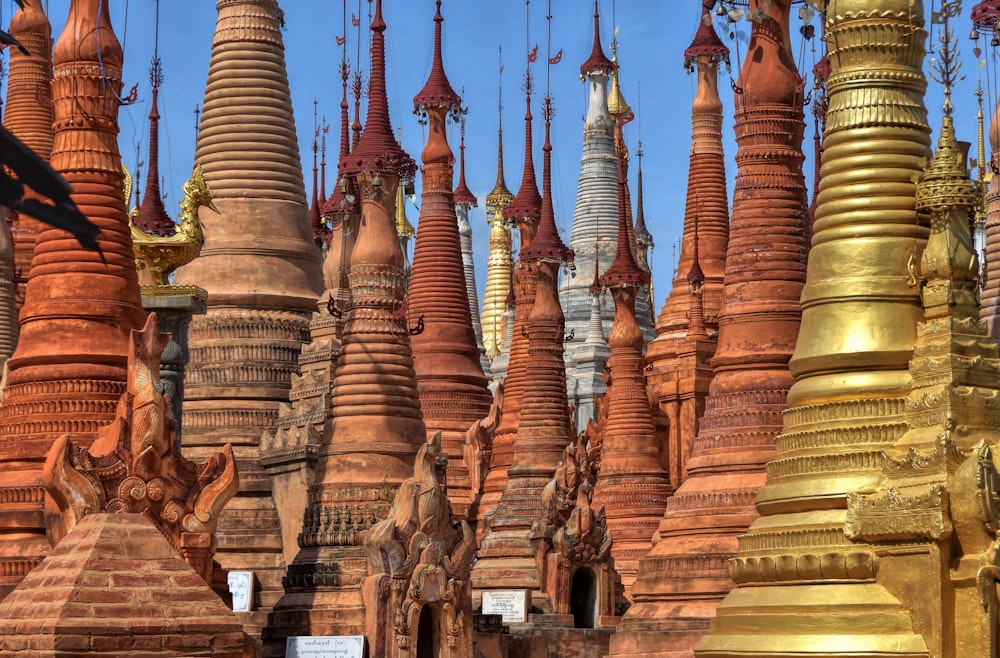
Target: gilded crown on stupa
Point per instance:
(946, 181)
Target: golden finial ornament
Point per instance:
(403, 226)
(163, 255)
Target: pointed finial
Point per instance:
(437, 90)
(500, 196)
(463, 194)
(945, 67)
(597, 62)
(695, 276)
(547, 245)
(378, 150)
(706, 42)
(624, 271)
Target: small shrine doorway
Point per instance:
(583, 598)
(428, 636)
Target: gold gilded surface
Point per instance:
(164, 255)
(499, 262)
(804, 587)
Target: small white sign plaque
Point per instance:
(512, 604)
(241, 587)
(334, 646)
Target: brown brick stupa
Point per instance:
(685, 575)
(632, 483)
(261, 269)
(507, 554)
(453, 390)
(377, 425)
(69, 368)
(29, 112)
(524, 211)
(680, 373)
(151, 603)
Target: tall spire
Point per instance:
(445, 354)
(70, 365)
(543, 426)
(325, 127)
(597, 62)
(28, 115)
(759, 322)
(593, 234)
(378, 426)
(378, 150)
(153, 217)
(500, 260)
(315, 217)
(643, 238)
(860, 312)
(706, 216)
(630, 448)
(523, 211)
(463, 195)
(465, 200)
(437, 90)
(547, 245)
(261, 269)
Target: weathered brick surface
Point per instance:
(147, 601)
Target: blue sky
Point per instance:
(652, 37)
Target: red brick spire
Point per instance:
(764, 276)
(632, 483)
(315, 216)
(623, 271)
(597, 60)
(445, 353)
(706, 215)
(706, 42)
(153, 217)
(462, 192)
(378, 427)
(525, 210)
(69, 368)
(437, 90)
(338, 199)
(28, 113)
(547, 245)
(378, 150)
(527, 204)
(507, 552)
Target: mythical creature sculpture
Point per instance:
(163, 255)
(420, 557)
(479, 443)
(135, 465)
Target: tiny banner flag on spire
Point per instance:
(533, 55)
(557, 58)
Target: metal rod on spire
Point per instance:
(156, 32)
(548, 51)
(500, 86)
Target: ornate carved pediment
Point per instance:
(135, 465)
(419, 556)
